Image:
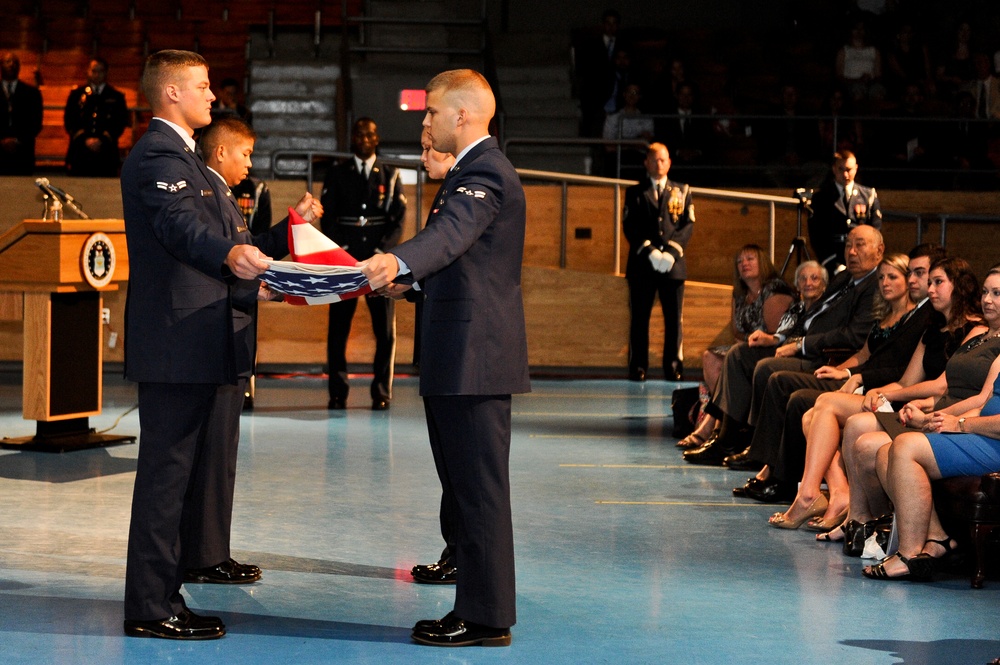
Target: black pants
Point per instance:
(642, 292)
(470, 440)
(182, 504)
(383, 315)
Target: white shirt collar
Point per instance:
(188, 140)
(469, 147)
(364, 165)
(218, 174)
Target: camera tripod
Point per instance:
(798, 246)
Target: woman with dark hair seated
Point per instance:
(760, 300)
(974, 365)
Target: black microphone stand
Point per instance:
(798, 246)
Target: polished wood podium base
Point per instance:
(64, 436)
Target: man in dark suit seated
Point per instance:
(840, 319)
(466, 262)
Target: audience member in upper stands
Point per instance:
(841, 319)
(964, 142)
(908, 61)
(95, 117)
(859, 68)
(954, 68)
(788, 140)
(838, 130)
(657, 221)
(627, 123)
(595, 72)
(228, 102)
(20, 119)
(689, 139)
(760, 300)
(840, 205)
(985, 88)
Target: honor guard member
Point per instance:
(95, 117)
(364, 204)
(840, 205)
(658, 220)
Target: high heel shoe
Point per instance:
(824, 526)
(919, 568)
(817, 507)
(834, 535)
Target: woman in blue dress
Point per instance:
(962, 440)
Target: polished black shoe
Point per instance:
(380, 405)
(451, 631)
(637, 375)
(753, 482)
(431, 625)
(337, 404)
(742, 462)
(185, 626)
(771, 491)
(441, 572)
(227, 572)
(711, 454)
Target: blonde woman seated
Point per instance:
(974, 365)
(953, 293)
(888, 347)
(760, 300)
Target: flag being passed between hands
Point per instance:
(319, 273)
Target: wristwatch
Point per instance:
(961, 425)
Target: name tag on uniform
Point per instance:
(241, 229)
(207, 192)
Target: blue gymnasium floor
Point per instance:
(625, 553)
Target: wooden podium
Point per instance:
(62, 268)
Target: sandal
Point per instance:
(919, 568)
(692, 441)
(946, 545)
(834, 535)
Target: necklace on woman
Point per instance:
(979, 341)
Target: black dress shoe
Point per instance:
(185, 626)
(742, 462)
(753, 482)
(711, 454)
(675, 372)
(442, 572)
(771, 491)
(637, 375)
(451, 631)
(337, 403)
(380, 405)
(227, 572)
(431, 625)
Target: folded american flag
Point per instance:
(319, 273)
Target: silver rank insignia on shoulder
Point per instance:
(172, 187)
(470, 192)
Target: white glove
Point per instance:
(656, 259)
(666, 262)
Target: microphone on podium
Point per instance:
(57, 194)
